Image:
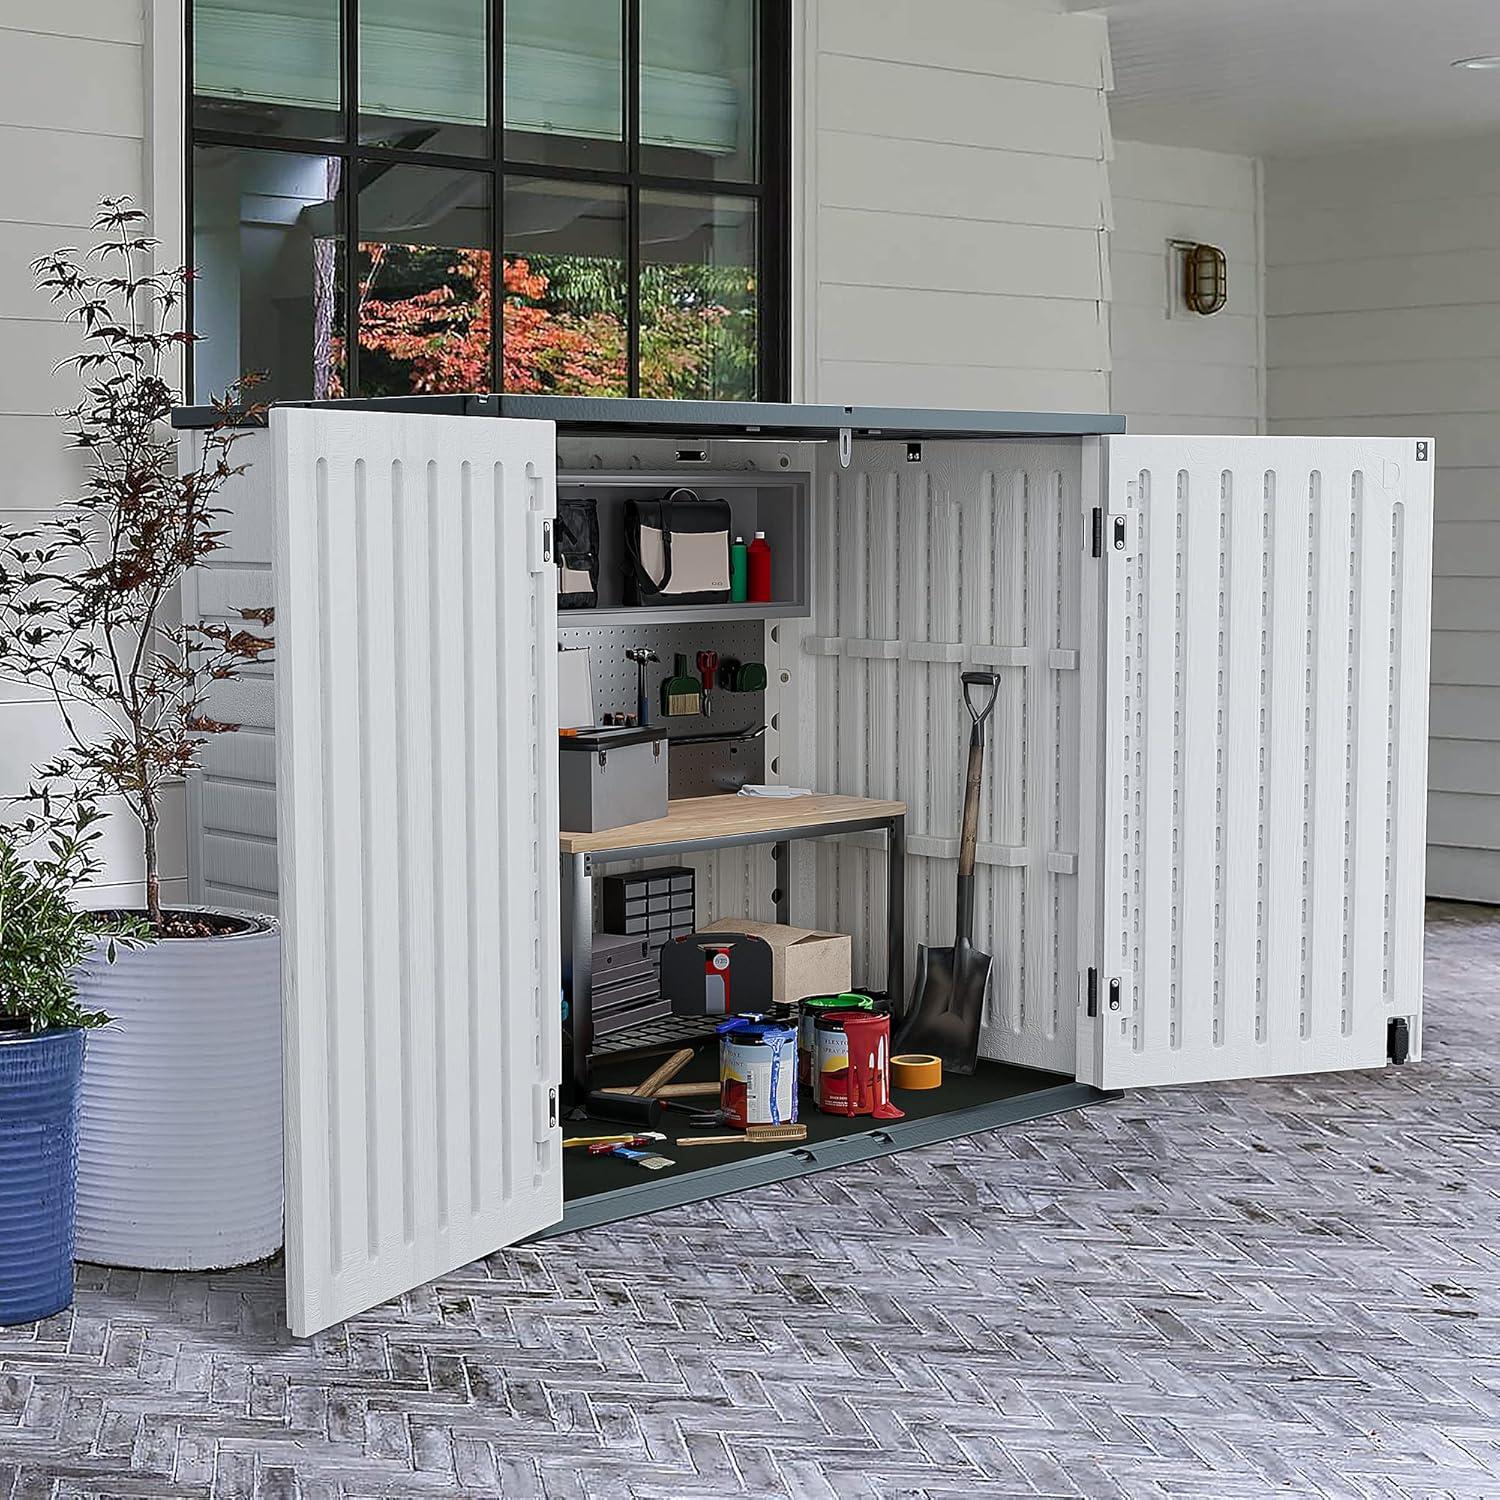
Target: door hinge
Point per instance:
(546, 1110)
(1091, 985)
(1096, 546)
(539, 541)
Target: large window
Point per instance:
(361, 205)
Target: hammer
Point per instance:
(640, 656)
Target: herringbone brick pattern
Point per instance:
(1283, 1288)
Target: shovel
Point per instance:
(947, 1000)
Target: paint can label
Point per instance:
(831, 1067)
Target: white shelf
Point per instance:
(678, 614)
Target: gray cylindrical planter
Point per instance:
(179, 1151)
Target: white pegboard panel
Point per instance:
(1263, 723)
(694, 770)
(969, 558)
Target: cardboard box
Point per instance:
(803, 962)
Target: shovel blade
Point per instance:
(947, 1006)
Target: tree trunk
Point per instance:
(153, 873)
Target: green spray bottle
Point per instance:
(739, 571)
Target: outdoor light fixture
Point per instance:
(1205, 276)
(1486, 63)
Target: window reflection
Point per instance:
(566, 309)
(698, 297)
(423, 277)
(267, 227)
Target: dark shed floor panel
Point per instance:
(586, 1176)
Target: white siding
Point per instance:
(951, 203)
(1174, 370)
(72, 122)
(1383, 315)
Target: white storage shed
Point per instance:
(1201, 847)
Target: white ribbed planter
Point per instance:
(179, 1142)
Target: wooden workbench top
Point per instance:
(701, 819)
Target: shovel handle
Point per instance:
(968, 844)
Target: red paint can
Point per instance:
(852, 1075)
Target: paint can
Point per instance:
(807, 1041)
(757, 1072)
(852, 1074)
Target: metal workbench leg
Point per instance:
(781, 858)
(578, 960)
(895, 914)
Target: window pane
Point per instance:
(266, 235)
(565, 288)
(424, 280)
(698, 60)
(423, 74)
(267, 67)
(698, 297)
(564, 82)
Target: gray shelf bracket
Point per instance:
(846, 446)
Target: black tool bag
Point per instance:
(677, 550)
(717, 974)
(577, 549)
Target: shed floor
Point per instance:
(586, 1176)
(1238, 1290)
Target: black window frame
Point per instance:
(771, 192)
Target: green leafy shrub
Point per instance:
(43, 935)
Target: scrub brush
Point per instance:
(681, 693)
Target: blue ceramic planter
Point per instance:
(40, 1076)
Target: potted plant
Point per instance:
(179, 1153)
(43, 938)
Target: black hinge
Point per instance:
(1096, 547)
(1092, 989)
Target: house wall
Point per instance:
(952, 196)
(73, 120)
(1174, 370)
(1383, 316)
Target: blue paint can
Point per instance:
(757, 1072)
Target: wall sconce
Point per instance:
(1205, 276)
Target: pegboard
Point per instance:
(693, 770)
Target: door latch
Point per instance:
(546, 1111)
(539, 538)
(1119, 533)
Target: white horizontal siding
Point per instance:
(953, 196)
(72, 109)
(1174, 370)
(74, 84)
(1383, 316)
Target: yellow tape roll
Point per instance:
(916, 1070)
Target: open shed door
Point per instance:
(1256, 659)
(417, 814)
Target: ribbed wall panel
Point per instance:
(416, 715)
(1263, 729)
(969, 559)
(233, 793)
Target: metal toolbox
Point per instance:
(608, 777)
(625, 990)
